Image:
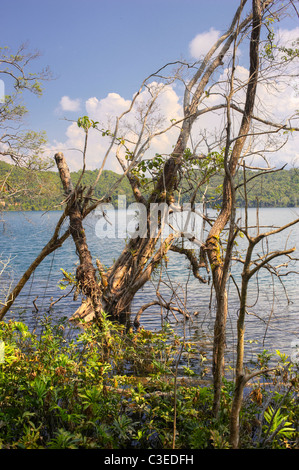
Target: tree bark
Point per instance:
(85, 273)
(247, 273)
(130, 273)
(213, 243)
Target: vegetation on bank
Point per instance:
(119, 389)
(41, 190)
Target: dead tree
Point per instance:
(250, 268)
(85, 273)
(220, 268)
(117, 286)
(136, 263)
(235, 153)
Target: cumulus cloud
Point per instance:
(287, 36)
(105, 111)
(274, 102)
(202, 43)
(67, 104)
(106, 108)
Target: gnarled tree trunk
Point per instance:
(86, 273)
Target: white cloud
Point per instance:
(202, 43)
(276, 104)
(108, 107)
(67, 104)
(287, 36)
(105, 111)
(276, 101)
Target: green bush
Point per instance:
(113, 389)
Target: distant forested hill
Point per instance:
(21, 189)
(277, 189)
(42, 190)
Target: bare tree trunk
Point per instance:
(247, 273)
(213, 240)
(240, 382)
(86, 273)
(127, 276)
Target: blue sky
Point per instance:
(98, 47)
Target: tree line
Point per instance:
(42, 191)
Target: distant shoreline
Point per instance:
(116, 208)
(44, 192)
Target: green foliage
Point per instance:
(278, 423)
(279, 189)
(25, 148)
(273, 49)
(68, 279)
(148, 171)
(86, 123)
(111, 389)
(41, 190)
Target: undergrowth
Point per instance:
(114, 389)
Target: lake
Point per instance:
(272, 321)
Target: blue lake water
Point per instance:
(272, 322)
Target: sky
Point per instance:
(100, 51)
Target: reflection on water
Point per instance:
(272, 321)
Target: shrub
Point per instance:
(112, 388)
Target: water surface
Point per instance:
(272, 321)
